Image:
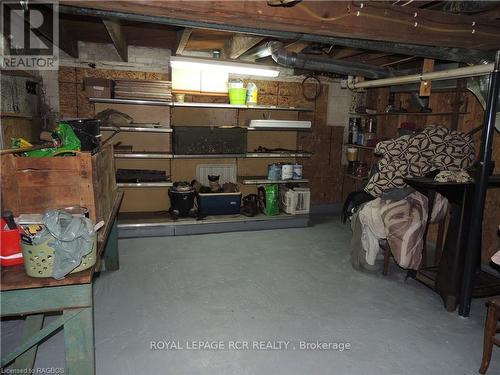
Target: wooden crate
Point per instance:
(35, 185)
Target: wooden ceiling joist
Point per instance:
(182, 40)
(114, 29)
(241, 43)
(373, 21)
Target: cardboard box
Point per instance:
(98, 87)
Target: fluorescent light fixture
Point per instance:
(222, 65)
(280, 124)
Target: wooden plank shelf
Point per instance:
(138, 129)
(359, 146)
(198, 105)
(252, 180)
(143, 155)
(408, 114)
(131, 101)
(209, 156)
(278, 155)
(144, 184)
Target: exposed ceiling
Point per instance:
(335, 29)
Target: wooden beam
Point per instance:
(182, 39)
(115, 33)
(371, 21)
(241, 43)
(425, 87)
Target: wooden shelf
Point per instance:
(198, 105)
(209, 156)
(359, 146)
(278, 155)
(138, 129)
(408, 114)
(144, 184)
(131, 101)
(143, 155)
(250, 155)
(257, 180)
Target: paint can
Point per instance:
(274, 172)
(287, 171)
(297, 171)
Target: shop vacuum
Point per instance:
(182, 196)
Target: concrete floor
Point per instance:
(292, 285)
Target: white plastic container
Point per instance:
(287, 172)
(295, 201)
(252, 93)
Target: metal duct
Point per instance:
(324, 64)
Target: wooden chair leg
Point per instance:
(489, 335)
(387, 258)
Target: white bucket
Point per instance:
(287, 172)
(297, 171)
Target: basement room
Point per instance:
(250, 187)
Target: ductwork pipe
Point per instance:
(468, 71)
(324, 64)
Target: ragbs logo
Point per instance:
(30, 35)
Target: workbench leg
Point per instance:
(111, 256)
(79, 343)
(25, 362)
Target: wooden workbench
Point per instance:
(33, 297)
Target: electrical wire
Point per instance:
(307, 10)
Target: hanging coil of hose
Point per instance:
(312, 81)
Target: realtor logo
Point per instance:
(30, 35)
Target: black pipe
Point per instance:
(325, 64)
(473, 250)
(464, 55)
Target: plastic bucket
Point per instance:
(297, 172)
(287, 171)
(237, 96)
(38, 259)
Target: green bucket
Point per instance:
(238, 96)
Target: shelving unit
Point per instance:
(149, 222)
(199, 105)
(258, 180)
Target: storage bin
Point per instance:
(38, 259)
(35, 185)
(219, 203)
(10, 249)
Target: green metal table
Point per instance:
(73, 296)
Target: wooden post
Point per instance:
(425, 87)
